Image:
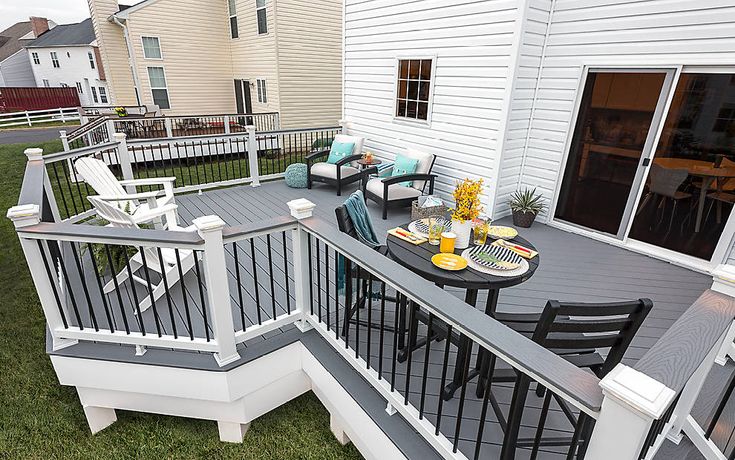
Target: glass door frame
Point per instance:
(673, 72)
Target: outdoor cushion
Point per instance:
(404, 165)
(395, 191)
(330, 170)
(425, 160)
(296, 175)
(358, 141)
(340, 150)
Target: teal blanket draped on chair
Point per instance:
(358, 212)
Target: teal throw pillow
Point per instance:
(340, 150)
(404, 165)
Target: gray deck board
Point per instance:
(572, 268)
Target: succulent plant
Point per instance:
(526, 200)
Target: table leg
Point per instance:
(464, 347)
(706, 182)
(483, 359)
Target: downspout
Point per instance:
(131, 58)
(535, 95)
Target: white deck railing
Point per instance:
(223, 302)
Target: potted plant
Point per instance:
(121, 111)
(525, 204)
(467, 207)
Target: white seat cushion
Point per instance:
(329, 170)
(395, 191)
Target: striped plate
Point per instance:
(422, 225)
(495, 257)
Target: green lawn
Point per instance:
(41, 419)
(48, 124)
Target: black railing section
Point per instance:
(416, 354)
(278, 150)
(721, 422)
(194, 125)
(108, 287)
(91, 134)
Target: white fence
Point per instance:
(31, 117)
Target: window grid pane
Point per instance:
(160, 98)
(157, 77)
(262, 21)
(414, 85)
(151, 48)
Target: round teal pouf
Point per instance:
(296, 175)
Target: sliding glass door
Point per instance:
(612, 137)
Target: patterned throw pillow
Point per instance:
(340, 150)
(404, 165)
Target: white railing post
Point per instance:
(123, 156)
(169, 127)
(227, 124)
(253, 155)
(301, 209)
(82, 116)
(343, 124)
(61, 112)
(632, 401)
(218, 290)
(277, 118)
(23, 216)
(64, 140)
(110, 129)
(28, 119)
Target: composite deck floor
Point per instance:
(572, 268)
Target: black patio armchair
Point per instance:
(342, 173)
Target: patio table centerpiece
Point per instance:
(467, 207)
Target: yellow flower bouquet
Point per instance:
(467, 200)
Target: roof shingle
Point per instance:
(81, 33)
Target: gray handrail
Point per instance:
(54, 157)
(675, 357)
(249, 230)
(99, 234)
(575, 385)
(31, 189)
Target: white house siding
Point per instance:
(612, 32)
(16, 70)
(74, 67)
(194, 39)
(255, 56)
(310, 62)
(531, 44)
(473, 42)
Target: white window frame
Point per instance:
(79, 88)
(432, 83)
(262, 89)
(92, 63)
(257, 26)
(232, 14)
(36, 58)
(160, 48)
(150, 85)
(55, 60)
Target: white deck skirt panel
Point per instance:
(233, 397)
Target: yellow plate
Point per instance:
(447, 261)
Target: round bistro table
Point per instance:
(417, 258)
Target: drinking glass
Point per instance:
(447, 242)
(435, 231)
(480, 232)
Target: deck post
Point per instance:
(64, 139)
(169, 127)
(23, 216)
(301, 209)
(218, 289)
(227, 124)
(343, 124)
(123, 157)
(110, 130)
(253, 156)
(632, 401)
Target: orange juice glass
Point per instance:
(447, 242)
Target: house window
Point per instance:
(262, 15)
(79, 88)
(159, 90)
(233, 19)
(151, 48)
(414, 88)
(46, 83)
(103, 95)
(94, 95)
(36, 59)
(63, 85)
(262, 95)
(90, 55)
(55, 59)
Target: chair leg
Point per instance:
(385, 210)
(515, 415)
(541, 424)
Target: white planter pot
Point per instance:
(462, 229)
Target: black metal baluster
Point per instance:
(411, 332)
(395, 343)
(285, 273)
(183, 291)
(110, 323)
(61, 190)
(462, 394)
(117, 287)
(382, 330)
(255, 279)
(311, 279)
(443, 381)
(84, 285)
(53, 284)
(156, 318)
(326, 282)
(425, 376)
(65, 274)
(167, 292)
(318, 281)
(336, 294)
(239, 286)
(139, 315)
(360, 289)
(201, 296)
(369, 316)
(68, 186)
(270, 273)
(485, 400)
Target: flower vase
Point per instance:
(462, 229)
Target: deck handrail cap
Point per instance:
(34, 154)
(643, 393)
(723, 279)
(301, 208)
(119, 136)
(208, 223)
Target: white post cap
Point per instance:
(34, 154)
(208, 223)
(301, 208)
(25, 214)
(119, 136)
(250, 127)
(637, 390)
(62, 133)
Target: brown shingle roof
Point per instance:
(9, 39)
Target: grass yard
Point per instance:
(41, 419)
(50, 124)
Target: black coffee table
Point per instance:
(418, 259)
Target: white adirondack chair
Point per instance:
(96, 173)
(119, 218)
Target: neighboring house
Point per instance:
(15, 70)
(222, 56)
(580, 99)
(67, 55)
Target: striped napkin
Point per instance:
(517, 248)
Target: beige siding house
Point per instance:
(225, 56)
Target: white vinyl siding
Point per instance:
(151, 48)
(473, 46)
(159, 89)
(17, 70)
